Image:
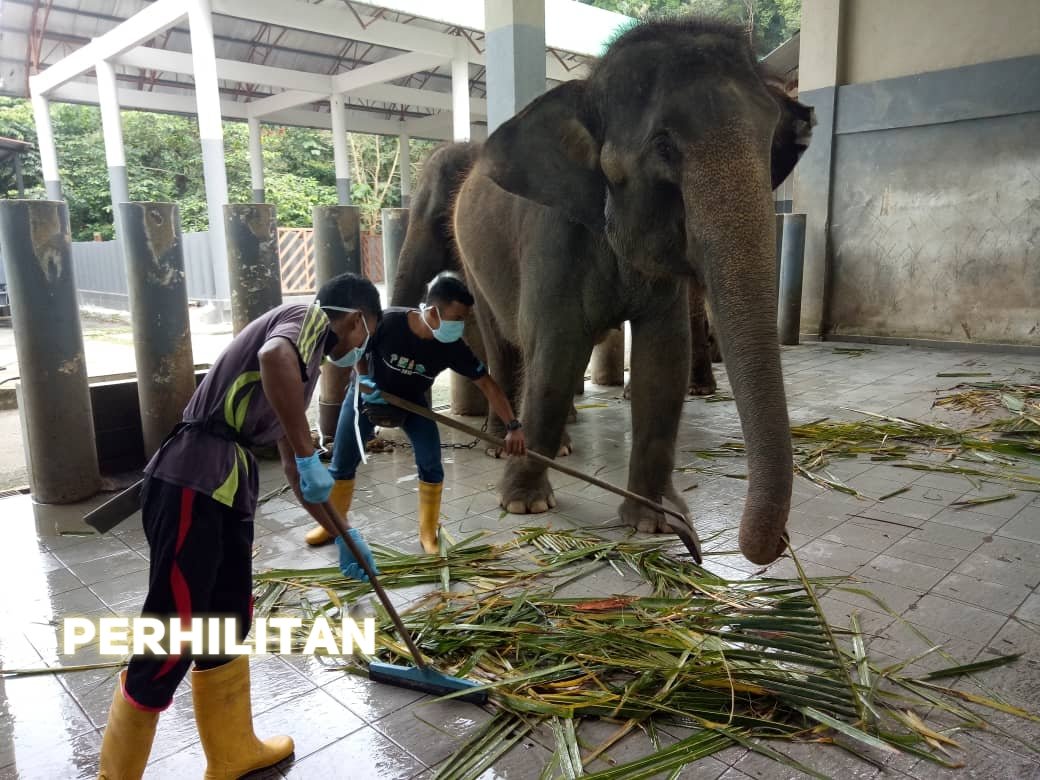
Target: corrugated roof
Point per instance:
(35, 34)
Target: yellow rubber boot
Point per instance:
(340, 497)
(128, 738)
(225, 719)
(429, 515)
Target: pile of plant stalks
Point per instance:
(994, 452)
(979, 397)
(729, 662)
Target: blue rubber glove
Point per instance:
(348, 564)
(374, 397)
(315, 480)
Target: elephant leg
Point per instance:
(548, 391)
(702, 378)
(660, 372)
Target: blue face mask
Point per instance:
(354, 355)
(449, 331)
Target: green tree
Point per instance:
(771, 21)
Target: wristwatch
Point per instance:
(513, 425)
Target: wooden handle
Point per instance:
(333, 518)
(676, 520)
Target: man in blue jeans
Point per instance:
(406, 353)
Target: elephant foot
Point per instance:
(566, 446)
(701, 387)
(643, 519)
(572, 415)
(526, 494)
(714, 351)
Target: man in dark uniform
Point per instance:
(407, 352)
(198, 502)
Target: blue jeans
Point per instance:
(422, 433)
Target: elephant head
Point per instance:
(671, 149)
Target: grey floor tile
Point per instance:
(314, 720)
(866, 534)
(1004, 599)
(432, 730)
(929, 553)
(956, 618)
(948, 535)
(970, 520)
(896, 571)
(368, 755)
(369, 700)
(1000, 570)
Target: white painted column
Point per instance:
(339, 148)
(460, 107)
(112, 130)
(256, 159)
(211, 132)
(45, 142)
(515, 40)
(404, 165)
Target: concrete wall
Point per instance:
(922, 191)
(884, 39)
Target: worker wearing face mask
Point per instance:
(407, 352)
(198, 501)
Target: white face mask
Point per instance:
(355, 354)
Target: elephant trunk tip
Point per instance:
(763, 537)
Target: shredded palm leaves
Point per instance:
(730, 662)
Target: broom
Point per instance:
(421, 677)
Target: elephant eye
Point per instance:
(665, 147)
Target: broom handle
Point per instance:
(429, 414)
(406, 635)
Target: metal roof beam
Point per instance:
(131, 33)
(161, 102)
(230, 70)
(376, 73)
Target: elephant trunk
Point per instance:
(730, 235)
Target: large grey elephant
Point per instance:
(599, 203)
(429, 248)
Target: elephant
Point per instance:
(603, 201)
(429, 248)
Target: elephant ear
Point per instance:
(791, 136)
(549, 153)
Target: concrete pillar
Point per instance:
(404, 164)
(19, 180)
(460, 104)
(395, 226)
(819, 76)
(253, 266)
(256, 160)
(45, 144)
(608, 360)
(155, 279)
(515, 56)
(337, 250)
(790, 305)
(54, 398)
(112, 130)
(211, 133)
(340, 155)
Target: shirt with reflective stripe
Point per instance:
(231, 395)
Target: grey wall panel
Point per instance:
(935, 232)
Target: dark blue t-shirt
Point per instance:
(406, 365)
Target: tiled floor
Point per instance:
(967, 577)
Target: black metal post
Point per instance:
(337, 250)
(253, 267)
(155, 279)
(790, 307)
(57, 423)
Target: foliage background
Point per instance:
(164, 161)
